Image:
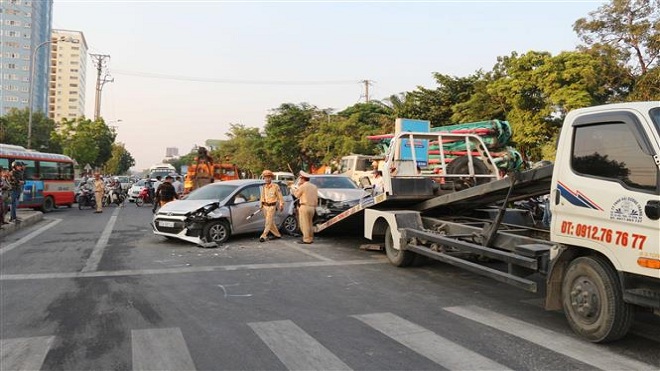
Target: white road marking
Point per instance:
(429, 344)
(97, 253)
(24, 353)
(292, 245)
(30, 236)
(295, 348)
(184, 270)
(580, 350)
(160, 349)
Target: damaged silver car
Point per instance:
(209, 215)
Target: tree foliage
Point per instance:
(14, 130)
(120, 161)
(631, 26)
(86, 141)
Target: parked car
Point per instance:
(336, 193)
(211, 214)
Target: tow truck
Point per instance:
(599, 260)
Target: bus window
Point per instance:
(4, 162)
(65, 170)
(48, 170)
(30, 170)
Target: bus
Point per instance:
(48, 177)
(161, 170)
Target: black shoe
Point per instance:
(304, 243)
(261, 239)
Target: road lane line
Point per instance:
(292, 245)
(97, 253)
(295, 348)
(184, 270)
(580, 350)
(30, 236)
(160, 349)
(444, 352)
(24, 353)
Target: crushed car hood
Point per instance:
(342, 194)
(183, 206)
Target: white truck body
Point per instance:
(600, 258)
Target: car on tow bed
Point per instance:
(211, 214)
(336, 193)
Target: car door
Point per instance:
(288, 200)
(244, 219)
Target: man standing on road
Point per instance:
(178, 186)
(307, 193)
(156, 200)
(166, 192)
(16, 180)
(271, 196)
(99, 189)
(4, 187)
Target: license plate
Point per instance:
(166, 224)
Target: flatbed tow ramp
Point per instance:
(526, 184)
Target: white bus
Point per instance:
(161, 170)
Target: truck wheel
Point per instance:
(216, 231)
(461, 165)
(593, 301)
(48, 205)
(398, 258)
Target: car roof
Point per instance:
(238, 182)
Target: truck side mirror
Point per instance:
(652, 209)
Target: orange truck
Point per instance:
(222, 171)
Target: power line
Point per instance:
(230, 81)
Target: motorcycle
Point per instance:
(144, 197)
(86, 198)
(113, 196)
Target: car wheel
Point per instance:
(290, 224)
(216, 231)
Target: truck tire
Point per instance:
(398, 258)
(593, 300)
(461, 165)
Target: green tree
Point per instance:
(120, 161)
(245, 148)
(86, 141)
(14, 130)
(286, 128)
(631, 26)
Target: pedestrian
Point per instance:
(99, 189)
(16, 181)
(307, 194)
(178, 186)
(157, 184)
(271, 200)
(4, 189)
(166, 192)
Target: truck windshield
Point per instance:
(655, 116)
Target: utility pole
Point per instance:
(366, 89)
(100, 60)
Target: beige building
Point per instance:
(68, 67)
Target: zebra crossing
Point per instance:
(166, 348)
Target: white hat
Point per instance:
(304, 174)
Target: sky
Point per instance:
(185, 70)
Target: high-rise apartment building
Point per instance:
(68, 67)
(24, 26)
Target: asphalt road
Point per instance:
(84, 291)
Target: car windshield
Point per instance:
(123, 179)
(214, 192)
(141, 183)
(333, 182)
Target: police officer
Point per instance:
(271, 199)
(307, 193)
(99, 189)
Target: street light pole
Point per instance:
(30, 90)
